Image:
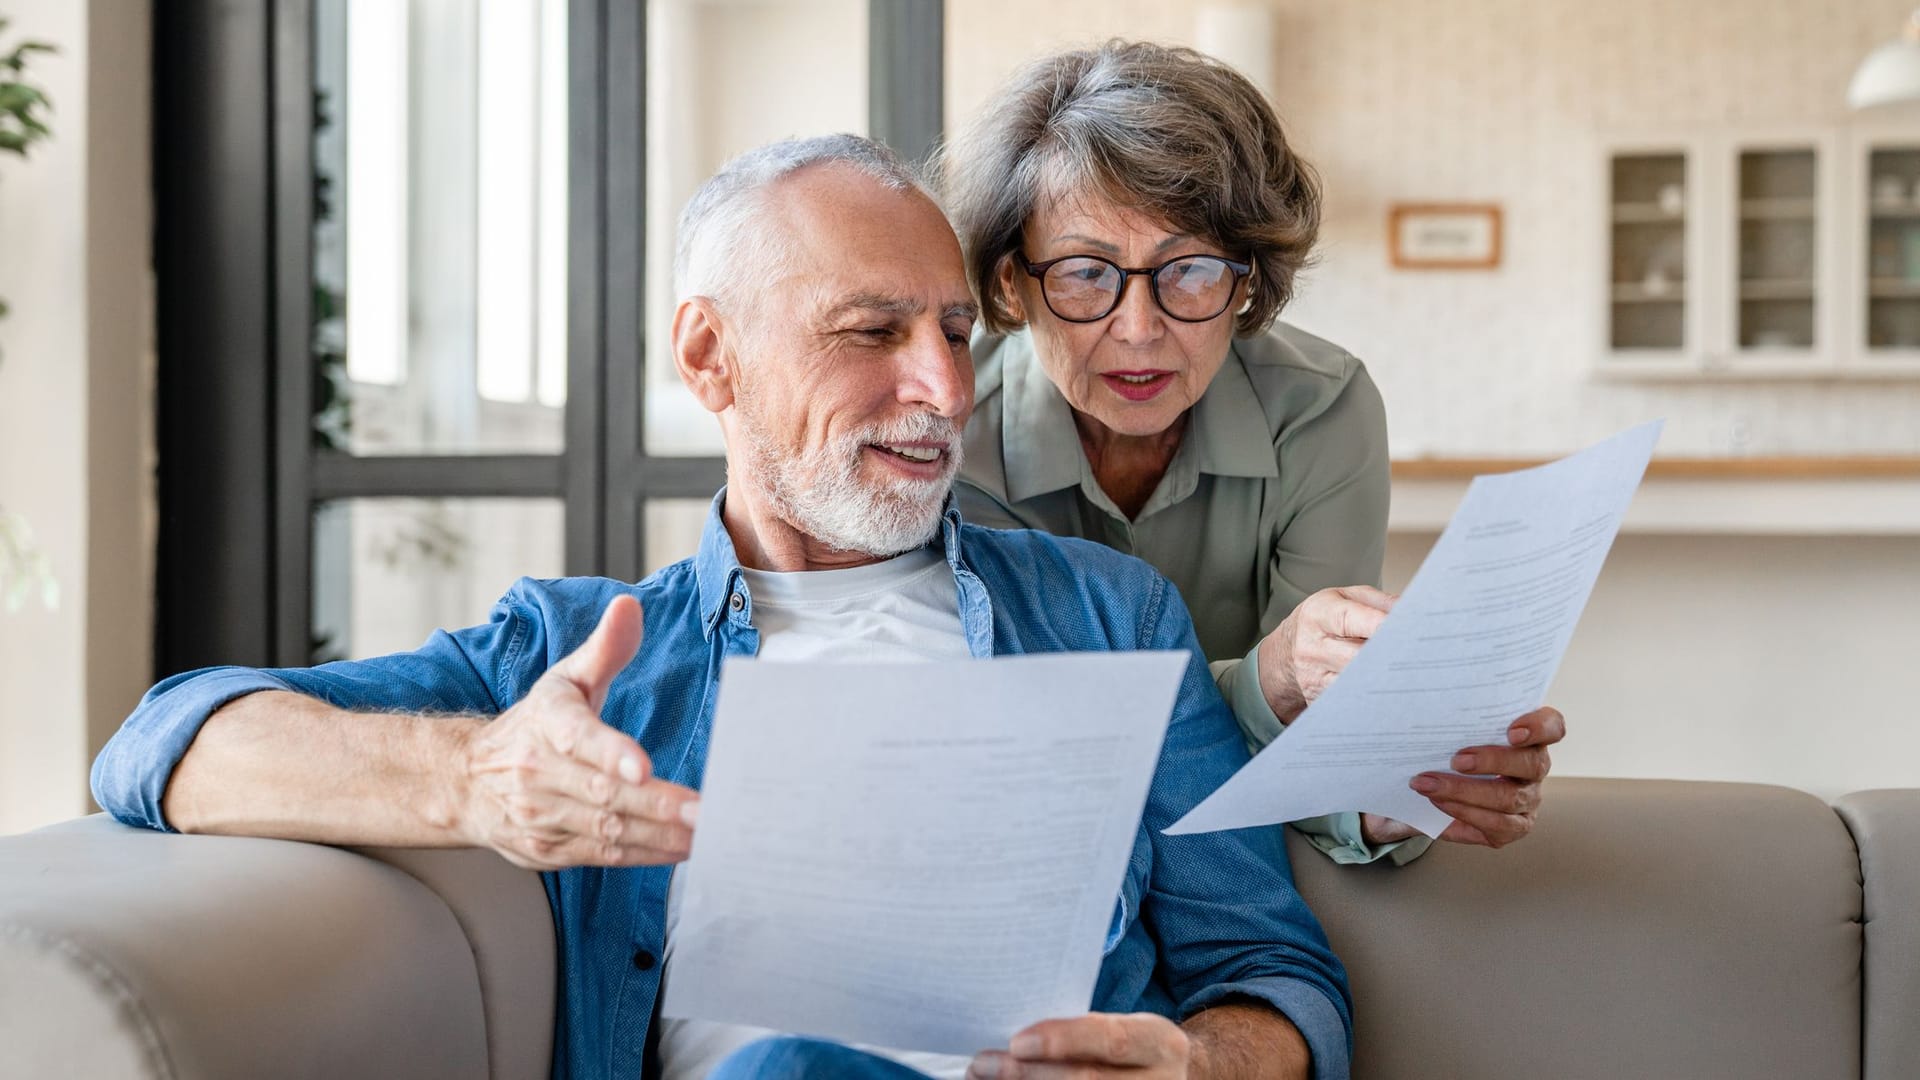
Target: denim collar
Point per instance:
(1228, 429)
(716, 565)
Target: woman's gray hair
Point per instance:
(719, 244)
(1166, 131)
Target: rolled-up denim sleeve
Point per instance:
(1223, 905)
(130, 776)
(473, 671)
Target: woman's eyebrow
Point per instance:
(1097, 245)
(1110, 249)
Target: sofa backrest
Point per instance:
(1646, 928)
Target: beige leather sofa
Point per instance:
(1647, 929)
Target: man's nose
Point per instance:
(937, 376)
(1138, 319)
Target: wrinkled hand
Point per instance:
(549, 785)
(1302, 656)
(1140, 1046)
(1495, 807)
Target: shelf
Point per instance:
(1775, 289)
(1893, 213)
(1894, 289)
(1645, 214)
(1843, 467)
(1733, 497)
(1626, 293)
(1777, 209)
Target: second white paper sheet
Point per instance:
(915, 856)
(1471, 645)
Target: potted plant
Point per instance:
(23, 567)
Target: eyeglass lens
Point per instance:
(1192, 289)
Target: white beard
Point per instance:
(821, 493)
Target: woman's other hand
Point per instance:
(1497, 804)
(1304, 654)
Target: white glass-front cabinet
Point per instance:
(1773, 254)
(1655, 248)
(1884, 260)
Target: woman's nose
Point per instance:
(1137, 320)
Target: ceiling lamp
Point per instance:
(1890, 73)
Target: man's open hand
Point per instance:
(549, 785)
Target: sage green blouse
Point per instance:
(1278, 490)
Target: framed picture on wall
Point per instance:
(1443, 236)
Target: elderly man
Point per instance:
(825, 319)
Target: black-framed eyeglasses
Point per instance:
(1087, 288)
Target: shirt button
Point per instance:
(737, 602)
(644, 960)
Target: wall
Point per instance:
(1737, 657)
(75, 405)
(1785, 660)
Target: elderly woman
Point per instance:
(1133, 222)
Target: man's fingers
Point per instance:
(1103, 1038)
(1541, 727)
(606, 652)
(1527, 763)
(560, 834)
(583, 736)
(655, 802)
(995, 1065)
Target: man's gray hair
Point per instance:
(718, 243)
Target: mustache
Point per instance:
(912, 427)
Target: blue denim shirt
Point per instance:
(1200, 919)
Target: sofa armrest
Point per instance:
(503, 911)
(1886, 828)
(125, 952)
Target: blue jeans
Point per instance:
(791, 1057)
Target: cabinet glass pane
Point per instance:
(388, 572)
(723, 78)
(440, 226)
(1777, 249)
(1893, 248)
(1648, 267)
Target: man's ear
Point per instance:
(701, 355)
(1009, 293)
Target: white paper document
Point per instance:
(1469, 647)
(916, 856)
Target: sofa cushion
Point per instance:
(1646, 928)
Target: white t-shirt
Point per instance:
(905, 609)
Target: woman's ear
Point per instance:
(1009, 277)
(701, 355)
